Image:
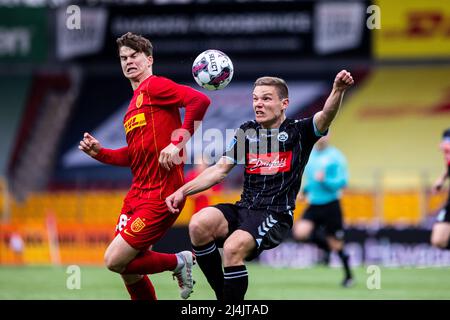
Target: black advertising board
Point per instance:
(254, 30)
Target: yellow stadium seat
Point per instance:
(402, 208)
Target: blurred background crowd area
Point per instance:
(60, 76)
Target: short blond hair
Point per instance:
(278, 83)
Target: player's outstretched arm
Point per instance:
(342, 82)
(439, 183)
(93, 148)
(205, 180)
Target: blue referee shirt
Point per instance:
(334, 166)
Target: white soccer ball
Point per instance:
(212, 70)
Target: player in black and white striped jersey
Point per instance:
(275, 150)
(440, 236)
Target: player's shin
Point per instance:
(346, 264)
(142, 289)
(210, 262)
(235, 283)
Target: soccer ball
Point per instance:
(212, 70)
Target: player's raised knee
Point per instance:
(438, 242)
(198, 225)
(300, 231)
(112, 263)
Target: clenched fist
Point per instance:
(343, 80)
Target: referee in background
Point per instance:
(325, 175)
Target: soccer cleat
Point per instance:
(184, 274)
(347, 282)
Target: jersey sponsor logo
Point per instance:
(139, 100)
(135, 122)
(269, 163)
(137, 225)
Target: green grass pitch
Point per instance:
(265, 283)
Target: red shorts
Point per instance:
(143, 222)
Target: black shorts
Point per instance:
(444, 213)
(328, 216)
(268, 228)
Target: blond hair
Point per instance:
(278, 83)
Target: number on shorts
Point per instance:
(123, 219)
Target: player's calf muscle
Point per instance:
(234, 252)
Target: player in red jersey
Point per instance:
(155, 137)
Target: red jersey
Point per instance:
(149, 122)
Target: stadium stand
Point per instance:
(47, 111)
(391, 125)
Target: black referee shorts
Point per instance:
(268, 228)
(328, 216)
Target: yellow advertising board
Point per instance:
(413, 29)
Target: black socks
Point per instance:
(235, 283)
(210, 262)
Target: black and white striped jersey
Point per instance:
(274, 161)
(448, 175)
